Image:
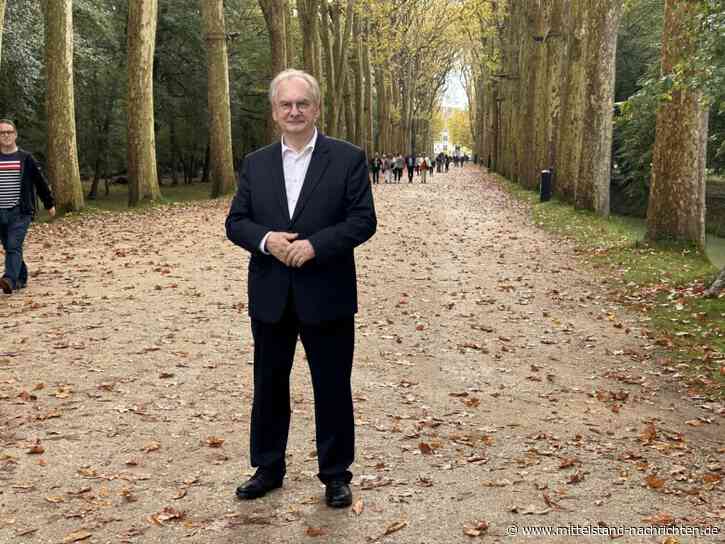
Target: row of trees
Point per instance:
(542, 90)
(154, 88)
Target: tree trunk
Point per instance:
(677, 192)
(569, 145)
(143, 183)
(220, 123)
(359, 82)
(2, 24)
(367, 72)
(328, 57)
(592, 188)
(274, 17)
(307, 13)
(62, 151)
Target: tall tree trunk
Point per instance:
(220, 123)
(592, 188)
(289, 35)
(349, 111)
(382, 143)
(62, 151)
(307, 13)
(359, 82)
(677, 192)
(274, 17)
(328, 57)
(573, 104)
(341, 50)
(556, 50)
(143, 182)
(2, 24)
(367, 72)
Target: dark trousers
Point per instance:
(376, 176)
(13, 228)
(329, 348)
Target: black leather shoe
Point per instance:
(338, 494)
(258, 486)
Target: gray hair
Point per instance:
(8, 122)
(291, 73)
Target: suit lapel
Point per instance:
(318, 164)
(277, 172)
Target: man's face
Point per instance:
(294, 111)
(7, 135)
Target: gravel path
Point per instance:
(496, 386)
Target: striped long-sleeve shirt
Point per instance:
(10, 174)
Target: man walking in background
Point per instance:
(303, 204)
(20, 177)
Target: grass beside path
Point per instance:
(664, 281)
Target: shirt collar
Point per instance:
(310, 145)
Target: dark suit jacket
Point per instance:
(335, 212)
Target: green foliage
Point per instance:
(640, 88)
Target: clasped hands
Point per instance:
(287, 249)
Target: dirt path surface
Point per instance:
(495, 387)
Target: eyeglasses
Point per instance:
(6, 132)
(302, 106)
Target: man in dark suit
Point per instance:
(303, 204)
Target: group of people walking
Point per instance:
(391, 166)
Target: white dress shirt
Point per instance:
(294, 165)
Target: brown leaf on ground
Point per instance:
(653, 482)
(36, 448)
(477, 529)
(315, 531)
(425, 448)
(77, 536)
(215, 442)
(358, 507)
(660, 518)
(649, 433)
(152, 446)
(394, 527)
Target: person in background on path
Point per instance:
(399, 162)
(439, 162)
(431, 167)
(387, 170)
(424, 161)
(418, 162)
(302, 206)
(410, 166)
(375, 166)
(447, 162)
(20, 178)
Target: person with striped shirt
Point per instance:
(20, 177)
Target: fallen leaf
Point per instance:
(315, 531)
(394, 527)
(358, 507)
(77, 536)
(215, 442)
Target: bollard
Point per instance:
(545, 186)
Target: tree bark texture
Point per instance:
(221, 159)
(592, 188)
(307, 12)
(143, 183)
(275, 19)
(367, 72)
(359, 81)
(2, 24)
(677, 192)
(62, 151)
(330, 98)
(573, 104)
